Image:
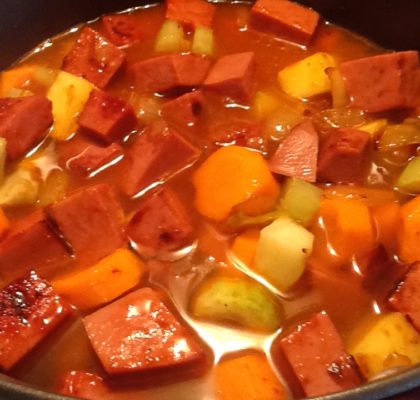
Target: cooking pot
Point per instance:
(392, 24)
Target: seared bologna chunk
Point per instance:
(122, 30)
(190, 13)
(297, 154)
(29, 311)
(83, 385)
(158, 154)
(161, 223)
(406, 297)
(91, 221)
(171, 71)
(342, 156)
(383, 82)
(94, 157)
(106, 117)
(287, 20)
(233, 76)
(184, 110)
(24, 122)
(317, 355)
(31, 244)
(94, 58)
(138, 333)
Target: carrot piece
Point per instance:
(248, 377)
(234, 178)
(387, 219)
(4, 224)
(370, 196)
(245, 246)
(103, 282)
(348, 226)
(16, 78)
(409, 233)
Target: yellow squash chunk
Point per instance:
(308, 77)
(203, 41)
(237, 178)
(390, 342)
(103, 282)
(68, 95)
(171, 39)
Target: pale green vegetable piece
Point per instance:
(400, 135)
(409, 179)
(2, 157)
(170, 38)
(282, 251)
(239, 301)
(18, 189)
(203, 41)
(301, 200)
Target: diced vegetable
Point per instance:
(19, 188)
(171, 39)
(248, 377)
(203, 41)
(338, 88)
(368, 195)
(103, 282)
(3, 144)
(45, 76)
(264, 103)
(307, 77)
(348, 226)
(282, 251)
(285, 117)
(387, 218)
(338, 118)
(14, 92)
(374, 127)
(301, 200)
(390, 342)
(245, 245)
(409, 180)
(16, 78)
(4, 224)
(234, 178)
(54, 188)
(399, 136)
(409, 235)
(239, 301)
(68, 95)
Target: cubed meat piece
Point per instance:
(406, 297)
(287, 20)
(161, 223)
(83, 385)
(122, 30)
(317, 355)
(31, 244)
(24, 122)
(29, 311)
(138, 333)
(106, 117)
(94, 58)
(158, 154)
(233, 76)
(297, 154)
(171, 71)
(94, 158)
(342, 156)
(91, 222)
(383, 82)
(184, 110)
(190, 13)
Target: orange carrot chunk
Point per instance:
(387, 219)
(4, 224)
(409, 232)
(245, 246)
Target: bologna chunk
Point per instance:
(287, 20)
(341, 158)
(90, 220)
(122, 29)
(106, 117)
(161, 223)
(317, 355)
(29, 311)
(297, 154)
(159, 153)
(383, 82)
(24, 122)
(171, 71)
(233, 76)
(94, 58)
(138, 333)
(190, 13)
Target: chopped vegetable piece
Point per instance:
(239, 301)
(399, 136)
(171, 39)
(282, 252)
(374, 127)
(68, 95)
(245, 245)
(338, 88)
(54, 188)
(301, 200)
(248, 377)
(264, 103)
(325, 120)
(102, 282)
(19, 188)
(234, 178)
(387, 219)
(203, 41)
(409, 235)
(307, 77)
(16, 78)
(369, 195)
(3, 144)
(4, 224)
(391, 341)
(409, 180)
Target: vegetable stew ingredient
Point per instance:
(409, 234)
(19, 188)
(203, 41)
(171, 39)
(244, 246)
(409, 180)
